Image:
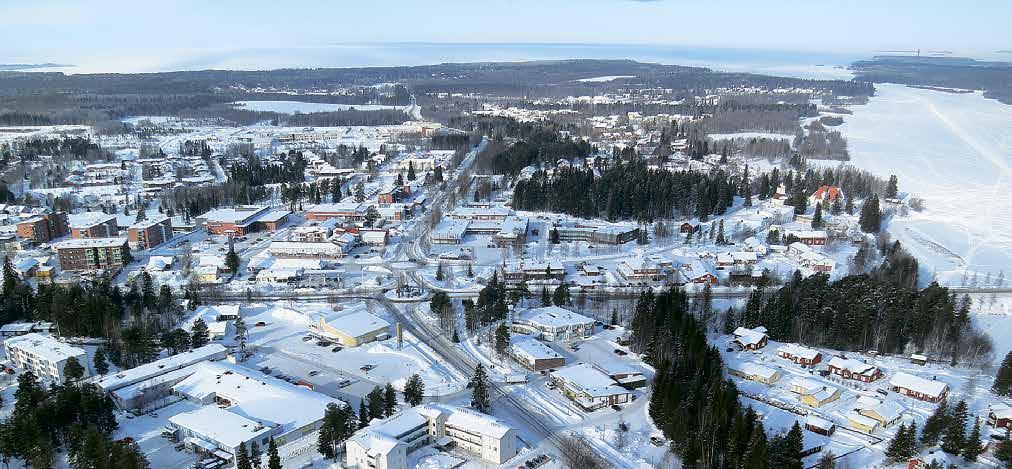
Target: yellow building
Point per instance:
(353, 329)
(861, 423)
(822, 397)
(754, 372)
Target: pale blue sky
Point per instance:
(141, 35)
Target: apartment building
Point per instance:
(44, 228)
(93, 225)
(44, 356)
(150, 233)
(93, 253)
(385, 443)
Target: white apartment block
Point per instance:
(553, 323)
(44, 356)
(386, 443)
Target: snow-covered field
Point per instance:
(955, 152)
(604, 79)
(291, 107)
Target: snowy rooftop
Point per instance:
(226, 428)
(149, 222)
(238, 215)
(89, 219)
(808, 386)
(358, 323)
(254, 395)
(553, 316)
(927, 387)
(531, 348)
(90, 243)
(159, 367)
(340, 207)
(44, 347)
(467, 419)
(753, 369)
(854, 366)
(799, 351)
(747, 336)
(588, 379)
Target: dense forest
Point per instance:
(882, 310)
(995, 78)
(539, 147)
(692, 403)
(626, 191)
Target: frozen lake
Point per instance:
(955, 152)
(291, 107)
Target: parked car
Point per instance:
(324, 343)
(549, 385)
(336, 349)
(621, 352)
(344, 383)
(260, 324)
(366, 368)
(616, 408)
(314, 372)
(307, 338)
(657, 441)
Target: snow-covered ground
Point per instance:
(955, 152)
(605, 78)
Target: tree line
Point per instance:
(692, 404)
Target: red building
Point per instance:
(345, 211)
(853, 369)
(238, 221)
(150, 233)
(93, 225)
(44, 228)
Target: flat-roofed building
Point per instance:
(352, 211)
(553, 323)
(384, 444)
(533, 354)
(93, 253)
(589, 387)
(353, 329)
(93, 225)
(44, 356)
(238, 221)
(147, 234)
(44, 228)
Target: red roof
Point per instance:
(833, 192)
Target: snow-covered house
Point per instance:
(799, 354)
(1000, 416)
(589, 387)
(918, 388)
(885, 413)
(751, 339)
(849, 368)
(754, 372)
(44, 356)
(532, 354)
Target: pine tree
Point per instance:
(561, 297)
(360, 192)
(255, 456)
(817, 218)
(241, 333)
(73, 370)
(720, 233)
(10, 276)
(242, 459)
(1003, 452)
(232, 260)
(414, 390)
(935, 425)
(199, 334)
(553, 237)
(546, 298)
(972, 446)
(614, 317)
(892, 189)
(99, 362)
(1003, 380)
(955, 432)
(389, 400)
(273, 459)
(400, 180)
(849, 206)
(502, 338)
(479, 390)
(756, 455)
(439, 272)
(376, 403)
(837, 207)
(729, 323)
(363, 414)
(871, 217)
(897, 450)
(411, 170)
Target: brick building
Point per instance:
(93, 253)
(44, 228)
(93, 225)
(150, 233)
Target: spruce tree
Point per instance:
(897, 450)
(255, 456)
(242, 459)
(100, 362)
(1003, 380)
(817, 218)
(892, 189)
(414, 390)
(546, 298)
(955, 432)
(479, 390)
(376, 403)
(389, 400)
(273, 459)
(72, 370)
(502, 338)
(972, 446)
(561, 297)
(199, 335)
(232, 260)
(411, 170)
(871, 215)
(363, 414)
(935, 425)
